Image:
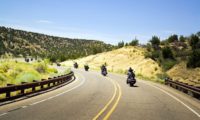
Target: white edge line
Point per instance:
(3, 114)
(192, 110)
(52, 96)
(60, 93)
(24, 106)
(38, 102)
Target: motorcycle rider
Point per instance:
(103, 68)
(131, 73)
(86, 67)
(75, 65)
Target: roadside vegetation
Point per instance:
(14, 72)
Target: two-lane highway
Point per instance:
(92, 96)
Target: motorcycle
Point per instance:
(104, 73)
(86, 67)
(131, 81)
(75, 65)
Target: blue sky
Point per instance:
(107, 20)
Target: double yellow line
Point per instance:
(108, 109)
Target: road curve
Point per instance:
(94, 97)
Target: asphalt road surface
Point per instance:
(94, 97)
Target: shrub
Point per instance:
(162, 76)
(167, 53)
(155, 68)
(182, 39)
(120, 44)
(67, 71)
(28, 77)
(4, 67)
(194, 59)
(2, 77)
(155, 42)
(168, 64)
(41, 67)
(134, 42)
(155, 55)
(52, 70)
(194, 41)
(147, 55)
(172, 38)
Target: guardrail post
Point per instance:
(7, 94)
(42, 86)
(33, 89)
(22, 91)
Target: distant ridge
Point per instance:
(25, 43)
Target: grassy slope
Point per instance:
(181, 73)
(120, 60)
(17, 72)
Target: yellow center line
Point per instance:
(115, 104)
(110, 101)
(117, 88)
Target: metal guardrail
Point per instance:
(43, 84)
(188, 89)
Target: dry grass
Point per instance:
(181, 73)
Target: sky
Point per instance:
(110, 21)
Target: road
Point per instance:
(92, 96)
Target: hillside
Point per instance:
(23, 43)
(181, 73)
(120, 60)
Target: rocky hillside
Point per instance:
(23, 43)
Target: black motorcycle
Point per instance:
(86, 67)
(131, 80)
(76, 65)
(104, 72)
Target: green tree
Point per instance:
(182, 38)
(121, 44)
(155, 42)
(194, 41)
(2, 47)
(167, 53)
(194, 59)
(198, 34)
(134, 42)
(172, 38)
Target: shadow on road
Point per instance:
(135, 86)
